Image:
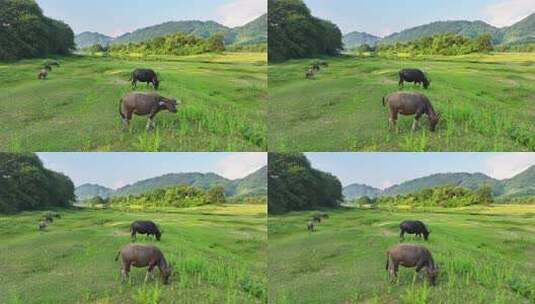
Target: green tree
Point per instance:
(216, 195)
(216, 43)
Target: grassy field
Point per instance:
(219, 256)
(487, 103)
(486, 256)
(77, 109)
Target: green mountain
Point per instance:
(253, 32)
(87, 39)
(87, 191)
(469, 29)
(356, 191)
(522, 31)
(200, 29)
(356, 39)
(521, 185)
(254, 184)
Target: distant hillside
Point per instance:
(254, 184)
(87, 191)
(521, 185)
(356, 191)
(522, 31)
(250, 33)
(87, 39)
(356, 39)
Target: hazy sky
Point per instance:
(116, 17)
(382, 170)
(115, 170)
(384, 17)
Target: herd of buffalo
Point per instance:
(139, 103)
(407, 255)
(400, 103)
(136, 255)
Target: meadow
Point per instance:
(77, 108)
(485, 255)
(487, 103)
(218, 255)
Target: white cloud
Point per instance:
(239, 12)
(507, 165)
(508, 12)
(239, 165)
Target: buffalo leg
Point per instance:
(402, 234)
(416, 119)
(400, 83)
(134, 83)
(133, 235)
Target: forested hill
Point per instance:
(254, 184)
(26, 185)
(521, 185)
(26, 33)
(254, 32)
(522, 31)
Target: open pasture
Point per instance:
(484, 255)
(487, 103)
(218, 255)
(77, 107)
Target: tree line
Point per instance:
(26, 185)
(183, 196)
(442, 44)
(294, 185)
(26, 33)
(443, 196)
(179, 44)
(294, 33)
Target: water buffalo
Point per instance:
(315, 67)
(411, 103)
(413, 75)
(43, 74)
(316, 218)
(145, 227)
(142, 104)
(145, 75)
(138, 255)
(413, 227)
(309, 74)
(411, 255)
(310, 226)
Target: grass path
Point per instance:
(487, 102)
(485, 257)
(76, 109)
(218, 253)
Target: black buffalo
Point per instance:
(145, 75)
(413, 75)
(414, 227)
(145, 227)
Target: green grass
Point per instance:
(487, 103)
(485, 256)
(77, 108)
(219, 256)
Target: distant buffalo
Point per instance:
(142, 104)
(411, 255)
(413, 75)
(411, 103)
(145, 227)
(145, 75)
(138, 255)
(414, 227)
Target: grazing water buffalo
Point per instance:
(138, 255)
(411, 255)
(413, 75)
(145, 75)
(145, 227)
(142, 104)
(310, 226)
(411, 103)
(413, 227)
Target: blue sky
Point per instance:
(116, 17)
(115, 170)
(383, 17)
(382, 170)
